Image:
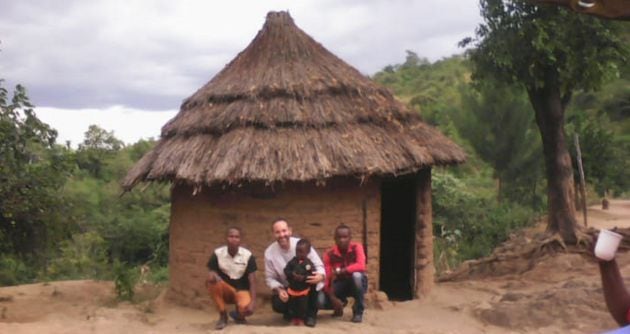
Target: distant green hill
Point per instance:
(431, 88)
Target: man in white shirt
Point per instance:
(232, 279)
(277, 255)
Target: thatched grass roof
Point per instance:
(286, 109)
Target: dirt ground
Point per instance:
(561, 294)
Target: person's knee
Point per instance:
(277, 305)
(321, 300)
(242, 302)
(357, 279)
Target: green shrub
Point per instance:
(159, 275)
(470, 224)
(82, 256)
(124, 280)
(14, 271)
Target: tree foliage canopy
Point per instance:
(520, 43)
(496, 120)
(32, 170)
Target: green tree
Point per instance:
(496, 121)
(134, 226)
(97, 147)
(551, 53)
(604, 158)
(32, 170)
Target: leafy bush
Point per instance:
(605, 163)
(14, 271)
(470, 224)
(125, 279)
(159, 275)
(82, 256)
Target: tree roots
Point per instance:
(521, 253)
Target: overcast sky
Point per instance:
(126, 65)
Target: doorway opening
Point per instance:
(398, 237)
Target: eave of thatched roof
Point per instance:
(286, 109)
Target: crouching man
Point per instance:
(277, 255)
(232, 279)
(345, 273)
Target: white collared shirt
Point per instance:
(233, 266)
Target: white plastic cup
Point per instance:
(586, 4)
(607, 244)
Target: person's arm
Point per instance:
(252, 292)
(320, 271)
(328, 270)
(335, 302)
(615, 292)
(358, 266)
(271, 275)
(272, 278)
(250, 271)
(213, 269)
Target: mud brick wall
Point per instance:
(425, 268)
(198, 225)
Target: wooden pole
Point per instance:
(582, 182)
(365, 229)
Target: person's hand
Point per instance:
(284, 296)
(249, 310)
(337, 305)
(314, 279)
(338, 273)
(590, 249)
(212, 278)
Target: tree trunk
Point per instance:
(549, 107)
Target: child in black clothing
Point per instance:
(296, 271)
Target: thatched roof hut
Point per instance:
(286, 111)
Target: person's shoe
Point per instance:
(310, 322)
(297, 322)
(357, 318)
(221, 323)
(237, 318)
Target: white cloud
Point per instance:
(152, 54)
(129, 125)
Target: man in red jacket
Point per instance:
(345, 275)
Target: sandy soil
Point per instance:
(561, 294)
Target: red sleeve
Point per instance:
(328, 269)
(358, 266)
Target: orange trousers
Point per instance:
(223, 293)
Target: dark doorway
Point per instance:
(398, 235)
